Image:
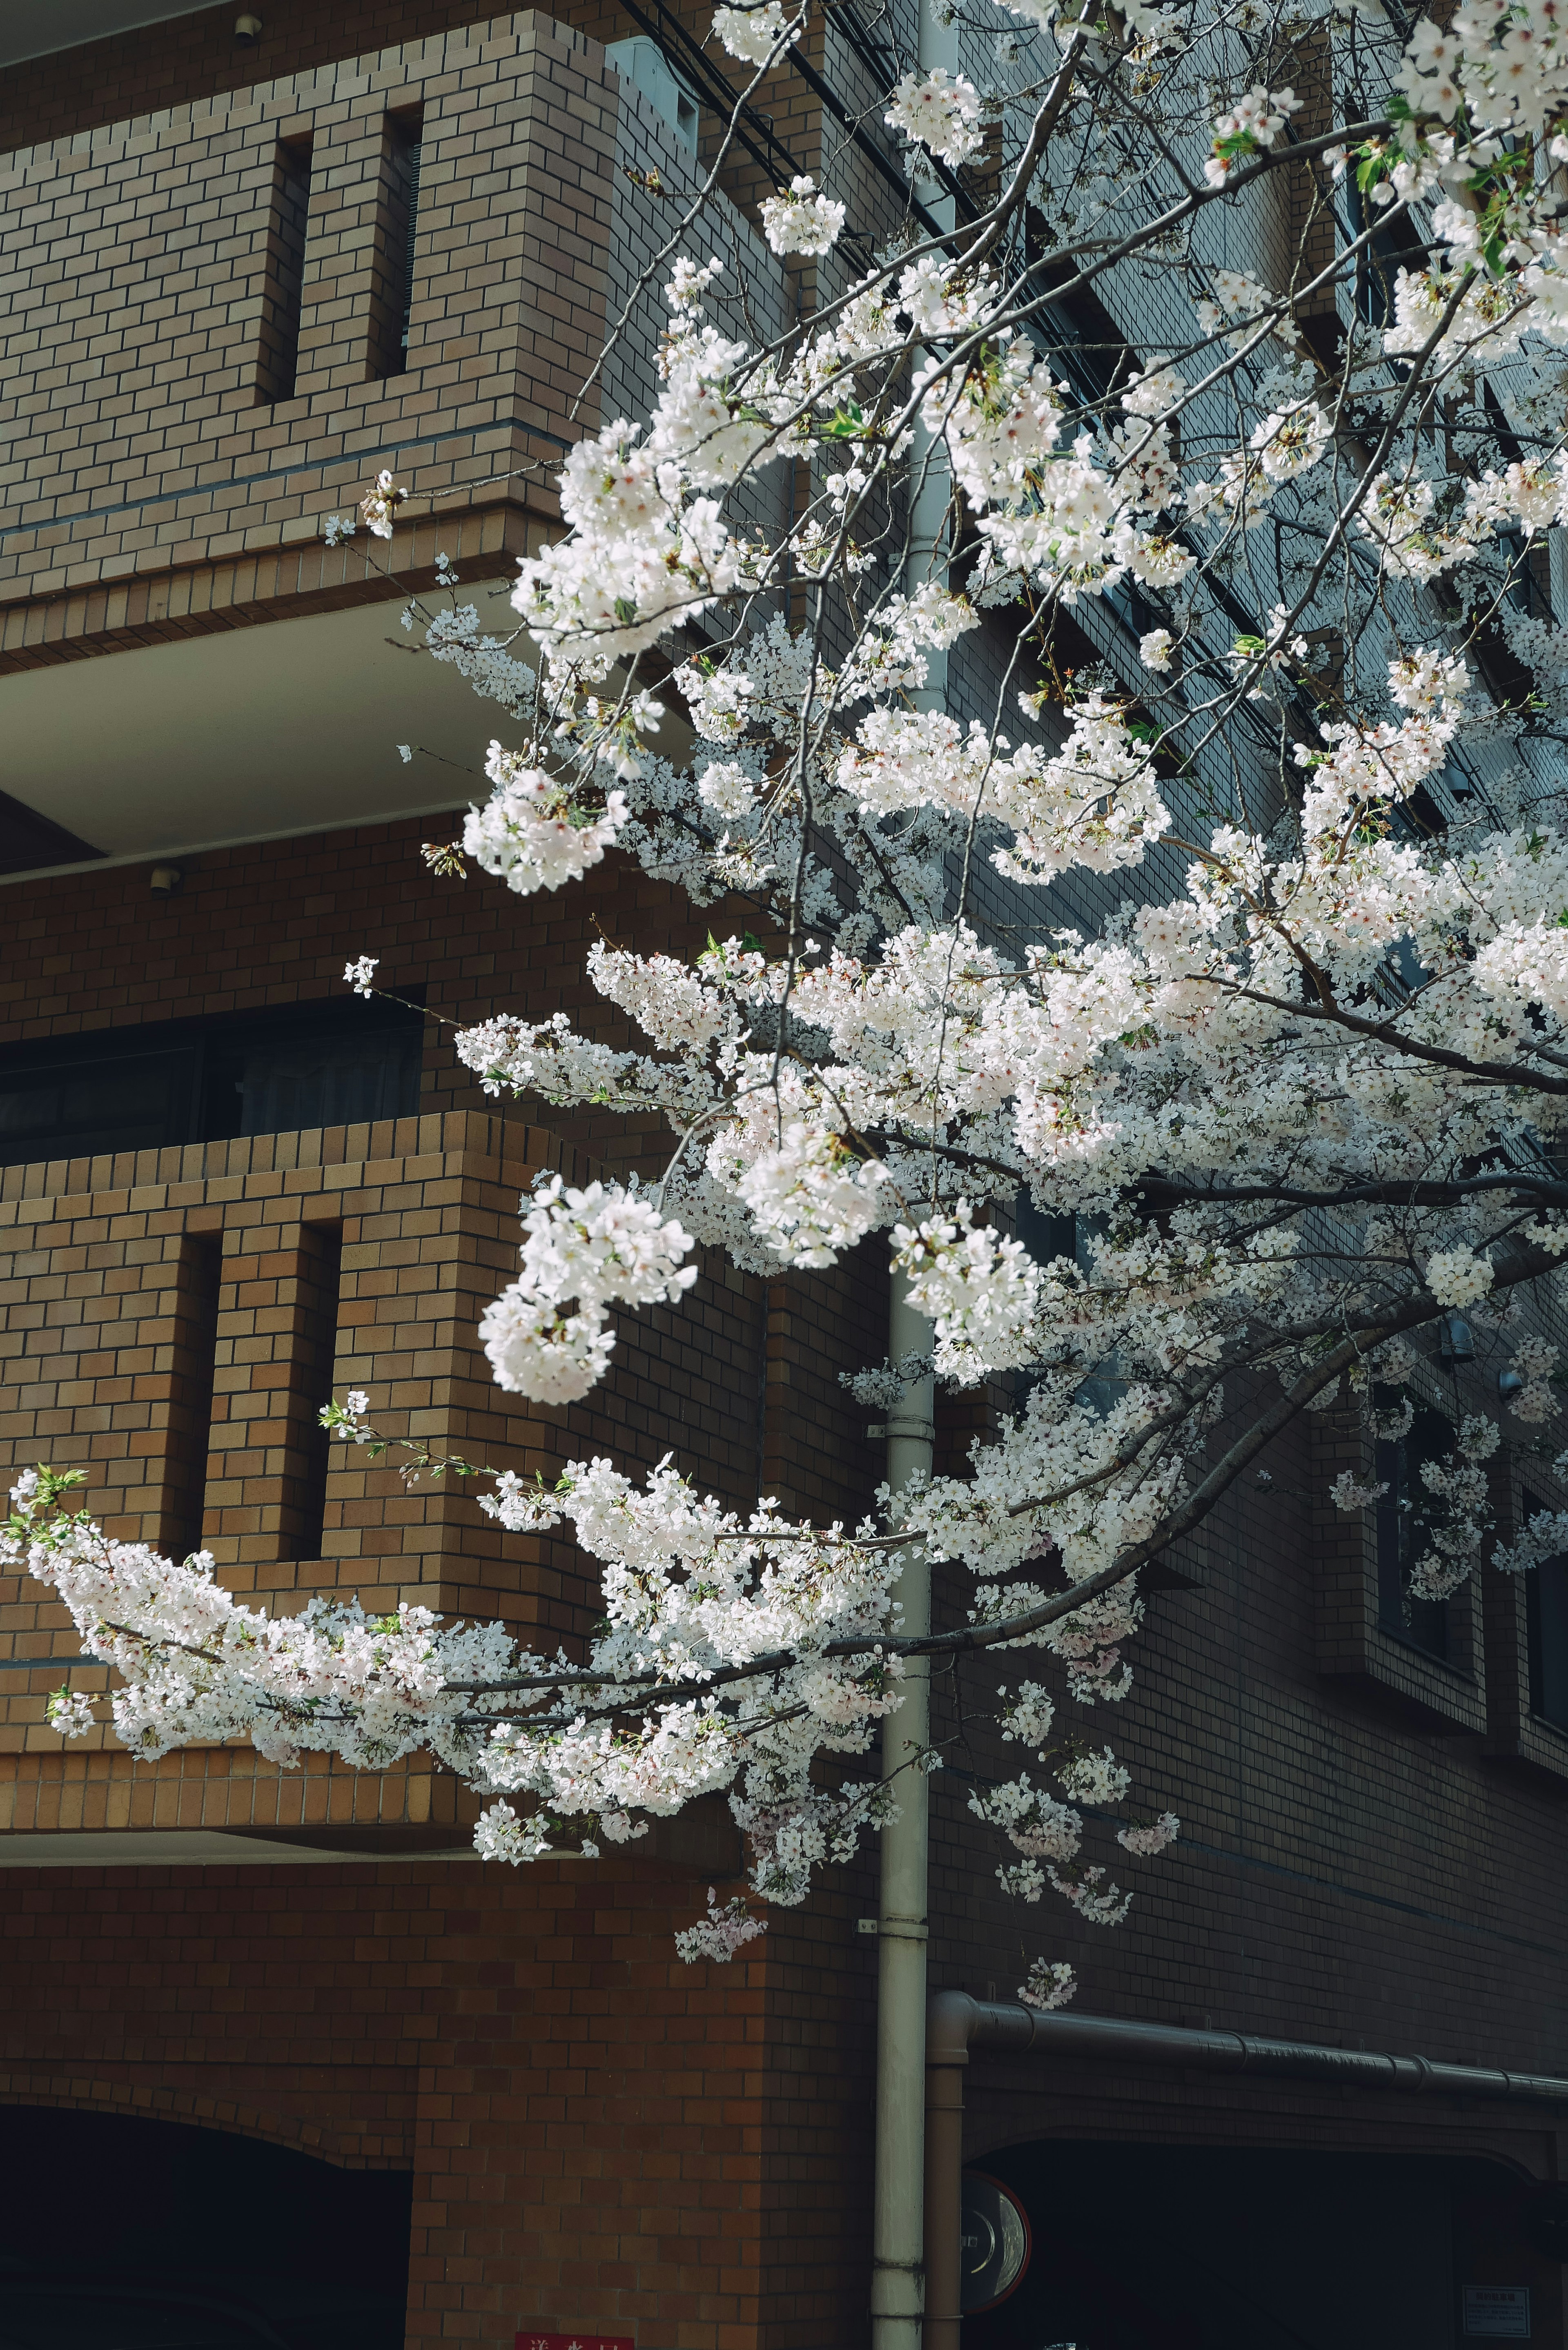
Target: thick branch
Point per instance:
(1384, 1032)
(1161, 1192)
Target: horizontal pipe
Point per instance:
(956, 2024)
(956, 2019)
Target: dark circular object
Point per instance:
(994, 2242)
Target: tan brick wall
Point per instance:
(151, 489)
(163, 65)
(133, 287)
(100, 1260)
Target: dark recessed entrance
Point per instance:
(118, 2234)
(1188, 2248)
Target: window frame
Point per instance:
(208, 1048)
(1447, 1695)
(1519, 1737)
(1399, 1514)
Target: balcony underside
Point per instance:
(32, 28)
(290, 727)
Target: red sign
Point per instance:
(532, 2341)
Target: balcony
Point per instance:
(220, 320)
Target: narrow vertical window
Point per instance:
(314, 1344)
(283, 291)
(197, 1274)
(396, 224)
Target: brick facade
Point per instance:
(678, 2108)
(151, 489)
(1355, 1864)
(600, 2136)
(138, 282)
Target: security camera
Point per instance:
(247, 28)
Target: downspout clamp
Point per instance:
(956, 2024)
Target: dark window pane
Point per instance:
(339, 1081)
(135, 1102)
(1044, 1237)
(1404, 1516)
(332, 1063)
(1546, 1614)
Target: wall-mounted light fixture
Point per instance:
(164, 879)
(247, 28)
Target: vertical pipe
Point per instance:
(896, 2273)
(897, 2277)
(929, 470)
(947, 2054)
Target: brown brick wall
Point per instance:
(600, 2136)
(1354, 1866)
(102, 1262)
(190, 59)
(150, 487)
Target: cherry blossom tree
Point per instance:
(1300, 1083)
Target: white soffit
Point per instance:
(250, 734)
(35, 28)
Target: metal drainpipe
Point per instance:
(896, 2281)
(956, 2024)
(938, 45)
(896, 2278)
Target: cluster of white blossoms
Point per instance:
(1368, 766)
(1294, 1093)
(722, 1934)
(1153, 1838)
(758, 32)
(1289, 441)
(1457, 1276)
(1544, 1535)
(643, 555)
(1532, 1364)
(803, 220)
(532, 831)
(379, 506)
(1349, 1493)
(941, 111)
(1255, 121)
(1096, 803)
(593, 1249)
(1051, 1983)
(1462, 1490)
(1504, 63)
